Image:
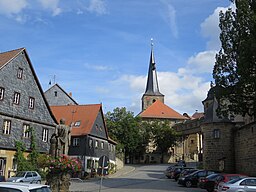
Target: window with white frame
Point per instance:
(102, 145)
(75, 142)
(31, 104)
(16, 98)
(26, 131)
(20, 73)
(45, 134)
(96, 144)
(7, 127)
(1, 93)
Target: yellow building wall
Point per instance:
(8, 155)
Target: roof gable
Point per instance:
(16, 58)
(162, 111)
(85, 115)
(54, 100)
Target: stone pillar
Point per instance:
(59, 182)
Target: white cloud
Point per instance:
(171, 17)
(210, 28)
(52, 5)
(10, 7)
(203, 62)
(97, 67)
(97, 6)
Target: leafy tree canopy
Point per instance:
(164, 135)
(123, 128)
(235, 67)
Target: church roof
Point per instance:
(152, 83)
(159, 110)
(84, 114)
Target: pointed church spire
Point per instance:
(152, 92)
(152, 83)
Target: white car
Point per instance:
(246, 184)
(26, 176)
(23, 187)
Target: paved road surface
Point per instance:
(133, 179)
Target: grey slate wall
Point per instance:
(56, 96)
(39, 117)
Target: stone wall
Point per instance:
(218, 152)
(245, 149)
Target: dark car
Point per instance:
(175, 173)
(208, 182)
(167, 172)
(2, 178)
(193, 178)
(181, 163)
(187, 172)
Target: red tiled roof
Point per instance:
(86, 114)
(9, 55)
(160, 110)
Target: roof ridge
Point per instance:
(13, 50)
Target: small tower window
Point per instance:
(55, 93)
(216, 133)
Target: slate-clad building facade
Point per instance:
(89, 135)
(55, 95)
(22, 105)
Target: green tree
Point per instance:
(22, 163)
(235, 67)
(34, 154)
(164, 136)
(124, 128)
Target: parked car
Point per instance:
(222, 178)
(168, 171)
(246, 184)
(181, 163)
(2, 178)
(23, 187)
(175, 173)
(26, 176)
(208, 182)
(193, 178)
(187, 172)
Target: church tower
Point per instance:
(152, 92)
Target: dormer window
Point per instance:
(77, 123)
(20, 73)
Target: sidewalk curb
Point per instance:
(118, 174)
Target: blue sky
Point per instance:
(99, 49)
